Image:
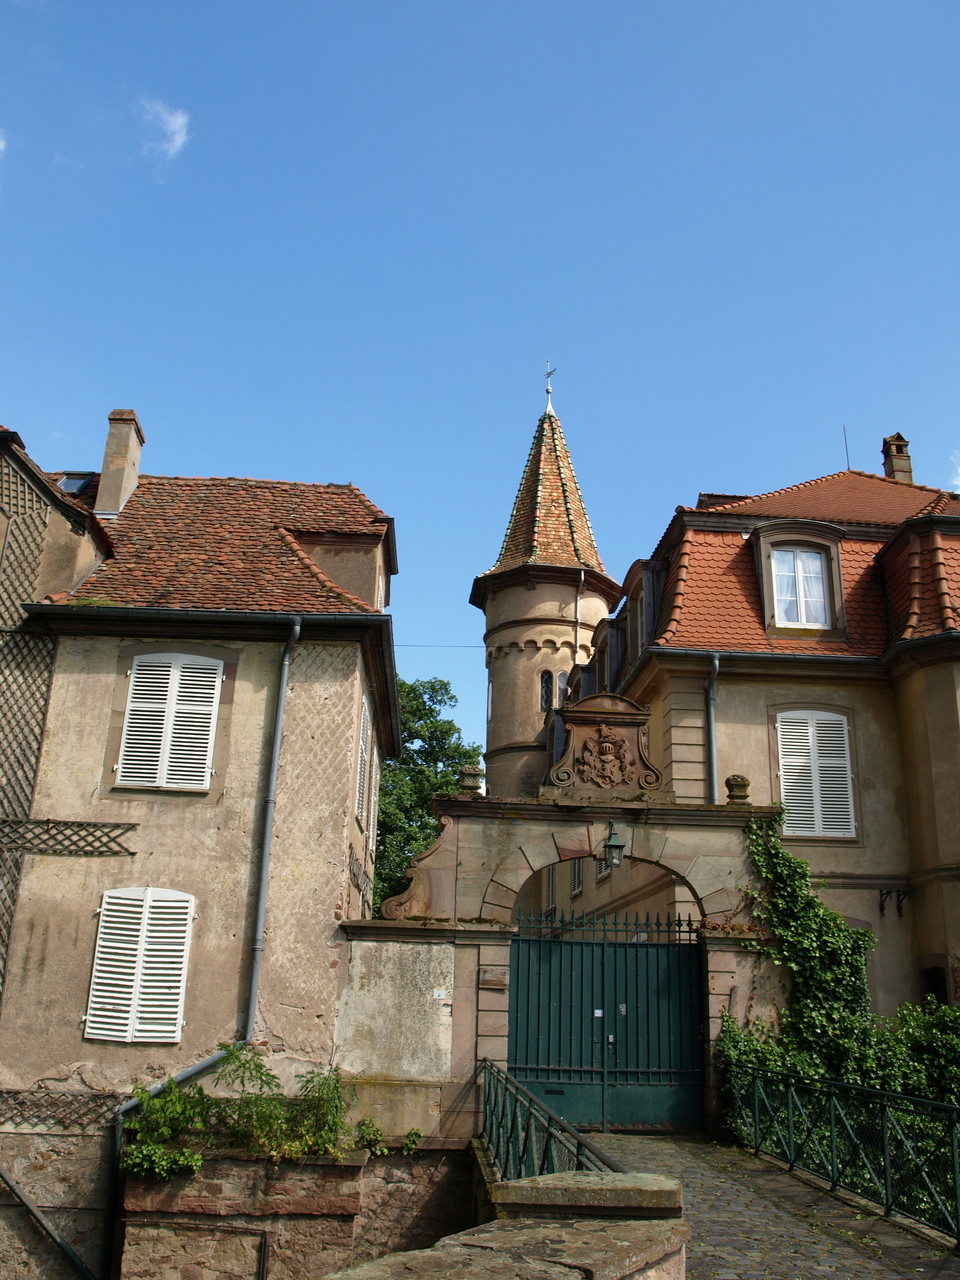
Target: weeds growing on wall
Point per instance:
(168, 1133)
(826, 1028)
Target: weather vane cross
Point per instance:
(550, 372)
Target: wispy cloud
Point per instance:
(173, 124)
(3, 142)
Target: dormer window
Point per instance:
(800, 587)
(800, 580)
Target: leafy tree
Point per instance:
(433, 755)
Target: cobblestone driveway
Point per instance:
(752, 1221)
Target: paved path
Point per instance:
(753, 1221)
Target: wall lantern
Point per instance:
(614, 846)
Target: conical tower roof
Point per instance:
(549, 523)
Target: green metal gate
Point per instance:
(606, 1020)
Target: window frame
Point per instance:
(140, 720)
(132, 944)
(821, 828)
(799, 536)
(127, 654)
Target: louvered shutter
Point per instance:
(816, 785)
(834, 781)
(362, 762)
(140, 966)
(170, 723)
(374, 804)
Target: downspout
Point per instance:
(256, 951)
(710, 699)
(576, 619)
(268, 813)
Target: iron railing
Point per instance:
(591, 927)
(899, 1152)
(525, 1138)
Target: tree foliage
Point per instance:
(432, 756)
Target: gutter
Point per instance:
(373, 629)
(295, 622)
(748, 655)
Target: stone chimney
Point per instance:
(121, 464)
(896, 458)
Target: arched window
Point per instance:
(546, 690)
(562, 678)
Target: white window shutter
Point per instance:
(834, 776)
(170, 723)
(362, 762)
(374, 799)
(141, 748)
(140, 966)
(816, 784)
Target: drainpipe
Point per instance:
(576, 619)
(269, 809)
(205, 1064)
(710, 699)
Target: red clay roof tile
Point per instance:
(549, 523)
(223, 543)
(846, 497)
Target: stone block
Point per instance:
(589, 1195)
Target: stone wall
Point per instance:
(295, 1220)
(66, 1174)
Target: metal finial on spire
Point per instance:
(550, 372)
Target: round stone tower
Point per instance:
(542, 600)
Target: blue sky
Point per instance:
(337, 242)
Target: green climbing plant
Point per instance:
(169, 1133)
(825, 1027)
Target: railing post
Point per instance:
(756, 1111)
(791, 1145)
(955, 1150)
(885, 1137)
(834, 1171)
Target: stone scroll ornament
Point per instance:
(606, 748)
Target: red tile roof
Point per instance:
(846, 497)
(183, 543)
(549, 523)
(716, 602)
(712, 599)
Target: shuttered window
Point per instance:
(362, 763)
(140, 966)
(816, 784)
(170, 722)
(576, 877)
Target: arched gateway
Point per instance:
(469, 889)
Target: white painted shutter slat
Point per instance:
(362, 761)
(190, 750)
(113, 984)
(159, 1015)
(140, 966)
(141, 747)
(170, 724)
(816, 783)
(833, 769)
(796, 775)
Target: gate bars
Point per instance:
(899, 1152)
(525, 1138)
